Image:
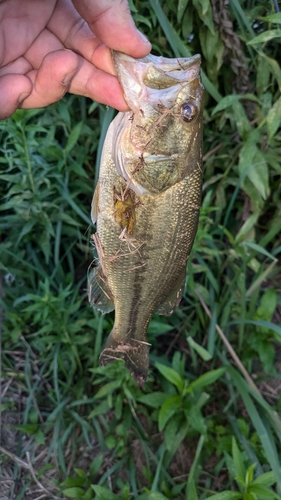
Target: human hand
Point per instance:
(50, 48)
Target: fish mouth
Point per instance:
(156, 71)
(153, 76)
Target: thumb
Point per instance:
(13, 90)
(112, 23)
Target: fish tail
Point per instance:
(134, 353)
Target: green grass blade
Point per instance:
(267, 442)
(190, 493)
(179, 48)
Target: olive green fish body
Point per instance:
(147, 206)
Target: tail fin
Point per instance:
(135, 354)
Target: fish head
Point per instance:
(159, 141)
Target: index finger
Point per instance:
(112, 23)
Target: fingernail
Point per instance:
(143, 37)
(67, 79)
(23, 96)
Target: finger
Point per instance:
(74, 33)
(45, 43)
(112, 23)
(87, 82)
(21, 23)
(55, 77)
(19, 66)
(51, 81)
(13, 89)
(98, 85)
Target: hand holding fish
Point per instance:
(50, 48)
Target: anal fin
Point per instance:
(172, 301)
(99, 293)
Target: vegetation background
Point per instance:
(207, 423)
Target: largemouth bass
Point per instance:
(147, 201)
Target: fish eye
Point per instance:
(188, 111)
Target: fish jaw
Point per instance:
(154, 142)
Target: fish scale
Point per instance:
(143, 264)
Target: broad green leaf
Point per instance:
(226, 495)
(275, 69)
(258, 248)
(73, 137)
(250, 474)
(168, 409)
(259, 322)
(100, 409)
(212, 48)
(267, 305)
(226, 102)
(75, 492)
(170, 433)
(253, 164)
(104, 493)
(159, 327)
(206, 379)
(152, 495)
(154, 400)
(266, 479)
(265, 37)
(96, 465)
(80, 473)
(229, 100)
(203, 353)
(241, 120)
(39, 437)
(204, 11)
(195, 419)
(108, 388)
(273, 18)
(246, 227)
(239, 467)
(27, 428)
(263, 74)
(171, 375)
(262, 491)
(274, 118)
(181, 8)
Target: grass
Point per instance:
(207, 423)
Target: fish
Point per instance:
(147, 201)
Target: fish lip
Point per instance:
(165, 63)
(154, 72)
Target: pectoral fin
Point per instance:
(99, 293)
(173, 300)
(95, 203)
